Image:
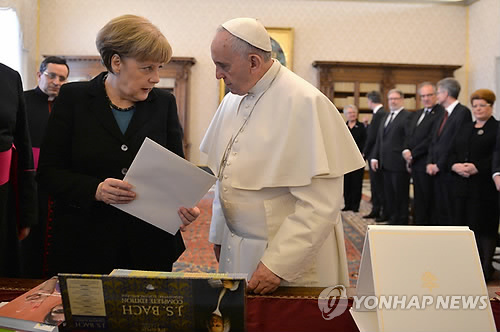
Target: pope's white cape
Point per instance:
(300, 135)
(296, 140)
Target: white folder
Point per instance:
(438, 262)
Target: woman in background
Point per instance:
(94, 132)
(353, 181)
(476, 202)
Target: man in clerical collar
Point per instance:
(280, 149)
(52, 75)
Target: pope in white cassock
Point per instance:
(280, 150)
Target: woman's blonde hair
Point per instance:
(134, 37)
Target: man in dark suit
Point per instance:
(52, 75)
(416, 149)
(387, 155)
(444, 133)
(376, 178)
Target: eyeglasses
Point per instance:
(395, 98)
(53, 76)
(481, 105)
(427, 95)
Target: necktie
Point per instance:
(445, 117)
(424, 114)
(388, 122)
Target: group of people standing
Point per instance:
(451, 160)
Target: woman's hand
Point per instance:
(114, 191)
(188, 216)
(460, 169)
(471, 168)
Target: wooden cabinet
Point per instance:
(348, 82)
(174, 77)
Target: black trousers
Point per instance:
(353, 184)
(397, 187)
(423, 200)
(377, 191)
(442, 184)
(9, 243)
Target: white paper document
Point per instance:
(163, 182)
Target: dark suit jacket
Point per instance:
(441, 145)
(419, 137)
(37, 107)
(477, 147)
(372, 132)
(390, 143)
(83, 146)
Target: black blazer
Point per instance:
(441, 145)
(390, 143)
(475, 146)
(37, 107)
(83, 146)
(358, 132)
(372, 132)
(419, 137)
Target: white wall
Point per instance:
(324, 30)
(484, 46)
(27, 11)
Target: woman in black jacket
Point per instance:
(476, 198)
(353, 181)
(94, 132)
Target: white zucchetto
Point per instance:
(249, 30)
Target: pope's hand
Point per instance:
(188, 216)
(263, 280)
(114, 191)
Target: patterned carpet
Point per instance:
(199, 256)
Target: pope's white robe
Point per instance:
(279, 196)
